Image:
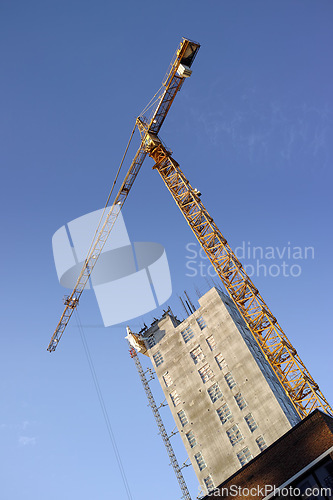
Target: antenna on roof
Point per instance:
(191, 306)
(187, 311)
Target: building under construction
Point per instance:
(226, 400)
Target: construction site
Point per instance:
(167, 231)
(238, 391)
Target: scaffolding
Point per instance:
(158, 418)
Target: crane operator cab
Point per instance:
(187, 59)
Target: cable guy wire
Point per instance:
(103, 407)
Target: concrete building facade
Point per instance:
(298, 465)
(225, 399)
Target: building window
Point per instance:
(191, 439)
(187, 334)
(214, 392)
(206, 373)
(158, 358)
(167, 379)
(244, 456)
(175, 398)
(251, 422)
(224, 413)
(211, 342)
(209, 483)
(234, 435)
(201, 323)
(151, 342)
(200, 460)
(197, 354)
(240, 401)
(220, 361)
(261, 443)
(182, 417)
(230, 380)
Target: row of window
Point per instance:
(235, 435)
(175, 398)
(187, 333)
(191, 439)
(158, 358)
(224, 415)
(201, 322)
(215, 393)
(211, 342)
(200, 460)
(244, 456)
(209, 483)
(206, 373)
(230, 380)
(223, 412)
(196, 353)
(151, 342)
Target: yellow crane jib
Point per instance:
(297, 382)
(179, 70)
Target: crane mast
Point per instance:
(297, 382)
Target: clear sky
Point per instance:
(252, 129)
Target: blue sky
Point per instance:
(252, 129)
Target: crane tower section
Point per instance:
(278, 350)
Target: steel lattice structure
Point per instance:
(278, 350)
(160, 425)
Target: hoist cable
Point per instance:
(111, 190)
(152, 101)
(103, 407)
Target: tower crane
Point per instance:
(290, 370)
